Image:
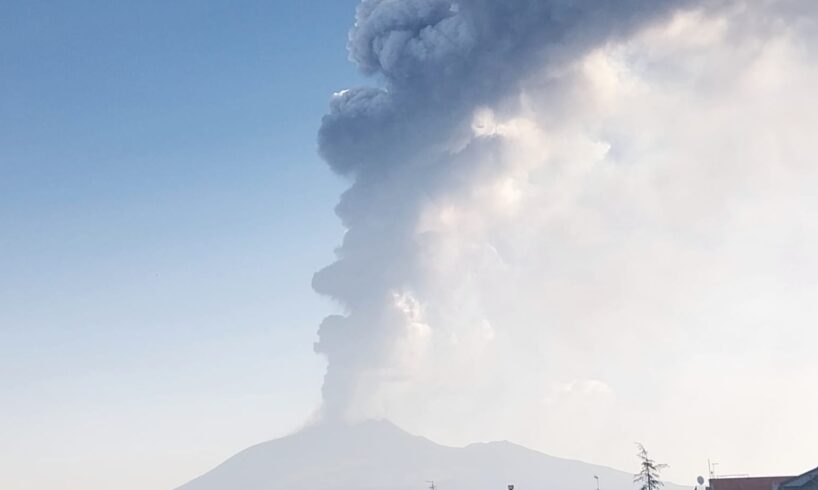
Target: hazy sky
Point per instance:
(612, 243)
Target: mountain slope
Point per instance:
(378, 455)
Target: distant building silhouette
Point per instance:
(806, 481)
(748, 483)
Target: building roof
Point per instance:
(761, 483)
(810, 477)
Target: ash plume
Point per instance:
(411, 139)
(568, 217)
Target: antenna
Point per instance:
(711, 468)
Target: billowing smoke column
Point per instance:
(403, 144)
(570, 217)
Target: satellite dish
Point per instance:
(511, 487)
(700, 479)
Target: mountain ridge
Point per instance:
(380, 455)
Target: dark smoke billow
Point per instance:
(438, 62)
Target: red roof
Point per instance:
(762, 483)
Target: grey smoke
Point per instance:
(437, 61)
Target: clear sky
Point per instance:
(162, 210)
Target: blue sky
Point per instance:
(162, 210)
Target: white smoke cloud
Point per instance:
(579, 224)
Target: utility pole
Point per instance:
(432, 485)
(597, 482)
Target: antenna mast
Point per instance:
(711, 469)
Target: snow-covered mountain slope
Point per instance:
(379, 455)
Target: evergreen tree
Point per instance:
(648, 476)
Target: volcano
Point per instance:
(379, 455)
